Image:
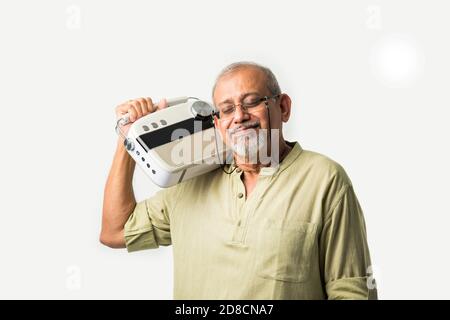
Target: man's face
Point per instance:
(241, 131)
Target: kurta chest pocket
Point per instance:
(285, 250)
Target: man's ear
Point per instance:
(285, 107)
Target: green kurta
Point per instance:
(299, 235)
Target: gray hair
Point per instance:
(272, 83)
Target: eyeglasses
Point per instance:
(251, 104)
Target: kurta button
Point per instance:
(240, 195)
(238, 170)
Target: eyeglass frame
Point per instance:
(258, 102)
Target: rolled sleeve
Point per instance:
(148, 227)
(139, 234)
(350, 289)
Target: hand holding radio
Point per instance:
(174, 144)
(132, 110)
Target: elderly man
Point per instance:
(251, 230)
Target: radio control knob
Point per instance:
(129, 145)
(201, 110)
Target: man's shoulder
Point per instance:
(322, 176)
(321, 167)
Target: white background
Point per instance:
(369, 82)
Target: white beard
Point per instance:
(249, 144)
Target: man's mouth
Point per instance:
(243, 127)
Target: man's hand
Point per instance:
(137, 108)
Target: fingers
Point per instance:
(132, 113)
(122, 109)
(163, 104)
(146, 105)
(150, 106)
(136, 108)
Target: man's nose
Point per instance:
(240, 115)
